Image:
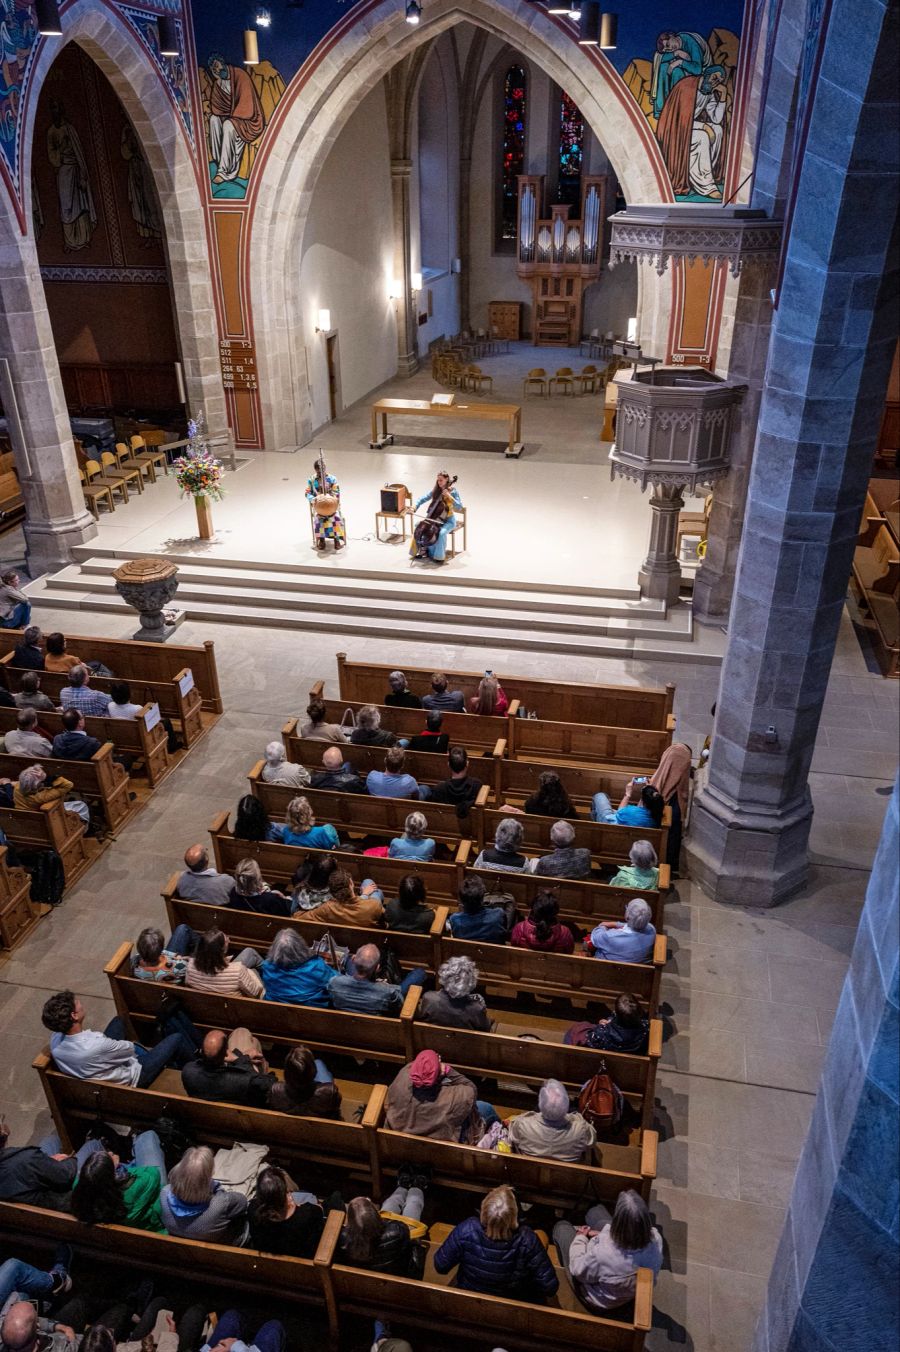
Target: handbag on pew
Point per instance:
(389, 968)
(601, 1101)
(348, 720)
(508, 904)
(335, 955)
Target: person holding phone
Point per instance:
(641, 805)
(491, 697)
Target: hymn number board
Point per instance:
(238, 364)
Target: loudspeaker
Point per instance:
(394, 497)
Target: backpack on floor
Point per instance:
(48, 879)
(601, 1102)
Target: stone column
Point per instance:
(407, 332)
(56, 518)
(832, 344)
(834, 1282)
(660, 574)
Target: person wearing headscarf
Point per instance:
(672, 778)
(430, 1098)
(331, 526)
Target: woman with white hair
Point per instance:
(505, 854)
(251, 893)
(566, 859)
(300, 828)
(400, 696)
(456, 1004)
(554, 1131)
(195, 1206)
(368, 730)
(628, 941)
(33, 789)
(291, 974)
(414, 843)
(279, 770)
(602, 1256)
(642, 870)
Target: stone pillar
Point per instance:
(56, 518)
(407, 333)
(834, 1282)
(832, 344)
(660, 574)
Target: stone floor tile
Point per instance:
(681, 1311)
(738, 1235)
(805, 981)
(707, 1051)
(686, 1008)
(735, 1300)
(785, 1065)
(765, 1176)
(698, 1168)
(716, 967)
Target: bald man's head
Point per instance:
(333, 758)
(366, 960)
(18, 1332)
(215, 1045)
(196, 858)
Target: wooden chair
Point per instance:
(498, 340)
(114, 469)
(591, 342)
(565, 376)
(475, 379)
(95, 493)
(142, 454)
(587, 379)
(452, 546)
(125, 460)
(536, 376)
(95, 474)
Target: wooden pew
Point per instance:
(629, 749)
(563, 701)
(51, 827)
(876, 573)
(516, 780)
(100, 780)
(131, 736)
(609, 844)
(137, 662)
(18, 913)
(478, 735)
(428, 767)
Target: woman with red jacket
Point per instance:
(542, 929)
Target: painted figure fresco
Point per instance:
(77, 213)
(238, 105)
(17, 36)
(141, 197)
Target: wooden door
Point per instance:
(331, 356)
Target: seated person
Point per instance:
(551, 798)
(312, 882)
(631, 941)
(409, 914)
(201, 882)
(347, 907)
(431, 738)
(553, 1132)
(442, 698)
(15, 607)
(78, 694)
(31, 696)
(292, 974)
(317, 729)
(155, 960)
(602, 1256)
(300, 828)
(251, 821)
(414, 843)
(475, 920)
(565, 860)
(269, 1337)
(461, 789)
(279, 770)
(368, 730)
(108, 1192)
(196, 1207)
(283, 1220)
(456, 1004)
(358, 991)
(38, 1175)
(642, 869)
(86, 1055)
(56, 658)
(35, 787)
(495, 1254)
(308, 1088)
(491, 697)
(224, 1071)
(398, 697)
(377, 1242)
(505, 854)
(337, 774)
(121, 704)
(24, 739)
(541, 930)
(251, 893)
(211, 970)
(394, 781)
(21, 1327)
(73, 743)
(430, 1098)
(626, 1030)
(29, 653)
(641, 805)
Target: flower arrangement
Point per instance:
(198, 473)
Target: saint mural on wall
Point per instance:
(77, 213)
(237, 105)
(141, 197)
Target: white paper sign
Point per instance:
(186, 683)
(151, 717)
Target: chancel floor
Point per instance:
(749, 995)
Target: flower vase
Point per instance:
(203, 506)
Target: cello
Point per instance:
(429, 528)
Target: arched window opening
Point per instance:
(571, 152)
(515, 90)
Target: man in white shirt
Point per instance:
(111, 1055)
(120, 705)
(199, 882)
(279, 770)
(24, 739)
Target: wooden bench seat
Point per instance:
(18, 913)
(876, 572)
(12, 503)
(100, 780)
(51, 827)
(131, 736)
(478, 735)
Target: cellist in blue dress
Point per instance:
(430, 535)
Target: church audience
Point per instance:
(551, 798)
(394, 781)
(491, 698)
(554, 1131)
(15, 607)
(641, 805)
(602, 1256)
(413, 844)
(38, 1175)
(194, 1206)
(121, 704)
(347, 907)
(475, 920)
(34, 788)
(461, 789)
(24, 739)
(29, 653)
(431, 738)
(504, 854)
(201, 882)
(495, 1254)
(109, 1192)
(224, 1073)
(456, 1004)
(337, 774)
(565, 860)
(641, 871)
(368, 730)
(283, 1220)
(73, 743)
(251, 820)
(251, 893)
(672, 780)
(300, 828)
(400, 696)
(292, 974)
(358, 991)
(308, 1088)
(156, 960)
(541, 929)
(31, 696)
(312, 882)
(316, 729)
(56, 658)
(269, 1337)
(631, 941)
(279, 770)
(87, 1055)
(429, 1098)
(78, 694)
(409, 914)
(626, 1030)
(212, 971)
(376, 1242)
(442, 698)
(22, 1329)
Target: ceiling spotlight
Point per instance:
(589, 28)
(263, 18)
(570, 11)
(609, 31)
(48, 20)
(413, 11)
(168, 35)
(251, 47)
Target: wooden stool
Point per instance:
(381, 519)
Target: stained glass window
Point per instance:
(571, 152)
(514, 98)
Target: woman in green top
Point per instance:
(642, 872)
(123, 1194)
